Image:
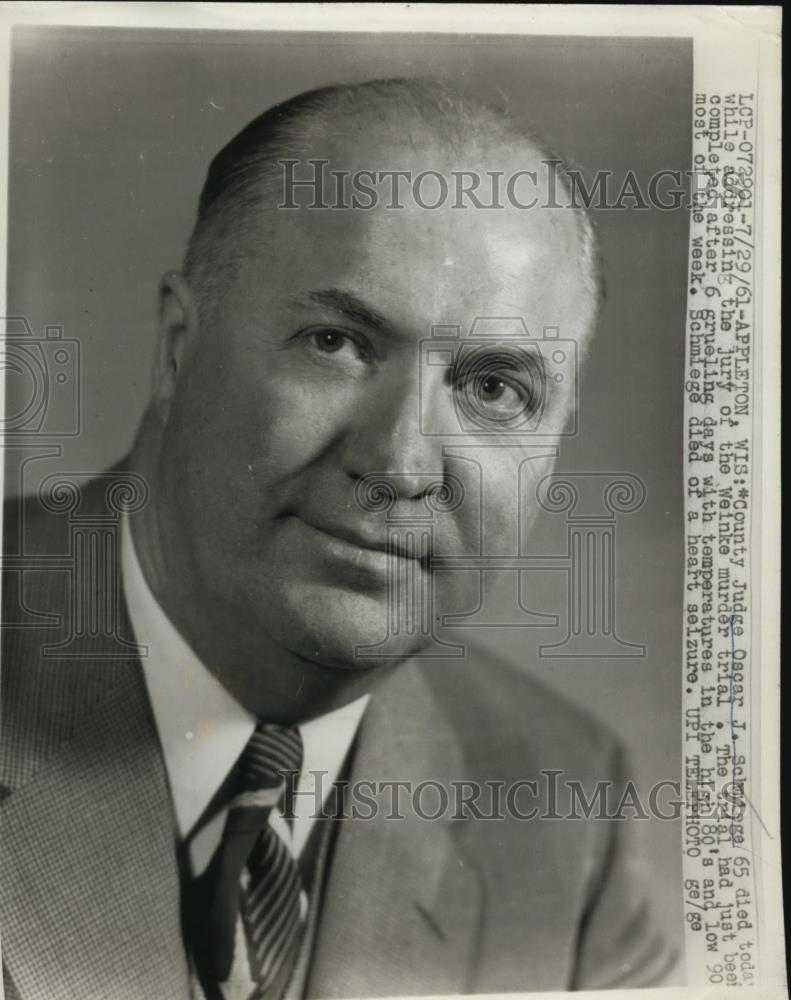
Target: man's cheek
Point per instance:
(512, 485)
(295, 425)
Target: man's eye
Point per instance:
(500, 388)
(344, 347)
(494, 390)
(498, 396)
(492, 399)
(331, 341)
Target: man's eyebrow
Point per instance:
(349, 305)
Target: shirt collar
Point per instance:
(202, 727)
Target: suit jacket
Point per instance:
(89, 895)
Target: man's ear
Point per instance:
(177, 327)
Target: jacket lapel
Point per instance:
(91, 871)
(403, 902)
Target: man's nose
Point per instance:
(387, 440)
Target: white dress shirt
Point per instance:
(203, 729)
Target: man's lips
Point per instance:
(403, 543)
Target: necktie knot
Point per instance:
(271, 754)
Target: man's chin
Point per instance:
(342, 629)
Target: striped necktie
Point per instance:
(244, 910)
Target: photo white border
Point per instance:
(713, 30)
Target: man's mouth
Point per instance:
(369, 544)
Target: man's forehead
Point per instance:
(405, 299)
(475, 260)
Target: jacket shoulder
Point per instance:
(54, 668)
(34, 523)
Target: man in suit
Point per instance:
(173, 823)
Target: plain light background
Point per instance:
(111, 134)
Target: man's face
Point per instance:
(309, 379)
